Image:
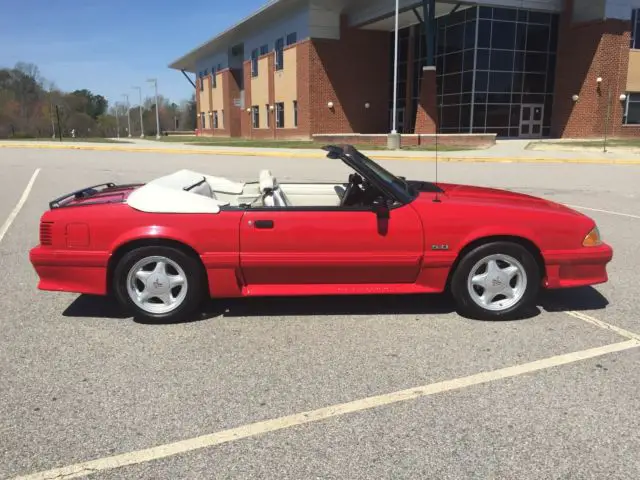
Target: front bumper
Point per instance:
(70, 270)
(577, 268)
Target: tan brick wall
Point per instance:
(286, 85)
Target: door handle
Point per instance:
(264, 224)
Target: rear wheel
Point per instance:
(160, 284)
(495, 281)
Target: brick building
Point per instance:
(514, 68)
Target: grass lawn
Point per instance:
(68, 140)
(245, 142)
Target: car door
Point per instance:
(330, 246)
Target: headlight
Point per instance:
(593, 238)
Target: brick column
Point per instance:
(245, 117)
(427, 114)
(409, 115)
(232, 114)
(198, 117)
(271, 62)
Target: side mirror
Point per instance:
(380, 207)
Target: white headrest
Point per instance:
(267, 181)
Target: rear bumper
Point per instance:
(70, 270)
(577, 268)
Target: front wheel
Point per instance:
(496, 281)
(159, 284)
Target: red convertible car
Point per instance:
(163, 246)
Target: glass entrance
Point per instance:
(531, 118)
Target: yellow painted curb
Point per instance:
(289, 154)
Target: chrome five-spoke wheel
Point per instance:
(160, 283)
(497, 282)
(157, 284)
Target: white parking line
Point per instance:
(259, 428)
(19, 205)
(606, 326)
(605, 211)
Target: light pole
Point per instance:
(140, 108)
(126, 99)
(117, 121)
(155, 85)
(394, 139)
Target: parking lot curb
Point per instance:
(289, 154)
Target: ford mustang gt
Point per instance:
(162, 247)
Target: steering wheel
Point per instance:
(354, 181)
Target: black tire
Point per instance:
(195, 277)
(468, 307)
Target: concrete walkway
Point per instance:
(509, 151)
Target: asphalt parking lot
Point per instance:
(558, 396)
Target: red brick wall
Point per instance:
(587, 51)
(427, 114)
(232, 113)
(304, 88)
(349, 72)
(480, 140)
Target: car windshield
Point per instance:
(395, 183)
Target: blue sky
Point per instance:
(109, 46)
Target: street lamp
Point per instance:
(115, 106)
(140, 108)
(126, 99)
(155, 84)
(393, 140)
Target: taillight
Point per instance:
(46, 235)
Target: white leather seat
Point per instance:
(272, 194)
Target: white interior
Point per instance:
(206, 193)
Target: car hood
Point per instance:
(495, 196)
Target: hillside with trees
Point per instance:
(33, 107)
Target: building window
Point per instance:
(279, 54)
(635, 28)
(632, 109)
(264, 49)
(214, 81)
(292, 38)
(215, 119)
(295, 113)
(266, 109)
(203, 123)
(201, 82)
(254, 62)
(222, 117)
(255, 116)
(280, 115)
(489, 62)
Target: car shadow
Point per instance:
(553, 301)
(581, 298)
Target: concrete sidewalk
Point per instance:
(505, 151)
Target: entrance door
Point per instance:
(531, 116)
(334, 246)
